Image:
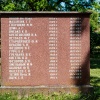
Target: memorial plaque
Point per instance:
(45, 48)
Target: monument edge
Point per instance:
(47, 89)
(43, 12)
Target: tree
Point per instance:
(37, 5)
(23, 5)
(44, 5)
(94, 29)
(13, 5)
(69, 5)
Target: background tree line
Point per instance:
(60, 5)
(45, 5)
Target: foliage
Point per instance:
(13, 5)
(37, 5)
(68, 5)
(96, 6)
(93, 30)
(45, 5)
(94, 21)
(94, 26)
(9, 7)
(94, 41)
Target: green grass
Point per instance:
(54, 96)
(95, 81)
(95, 77)
(95, 70)
(95, 74)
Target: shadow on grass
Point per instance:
(95, 63)
(95, 82)
(95, 95)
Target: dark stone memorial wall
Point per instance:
(45, 49)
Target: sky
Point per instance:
(97, 0)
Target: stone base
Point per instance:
(47, 90)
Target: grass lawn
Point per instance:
(95, 82)
(95, 75)
(95, 71)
